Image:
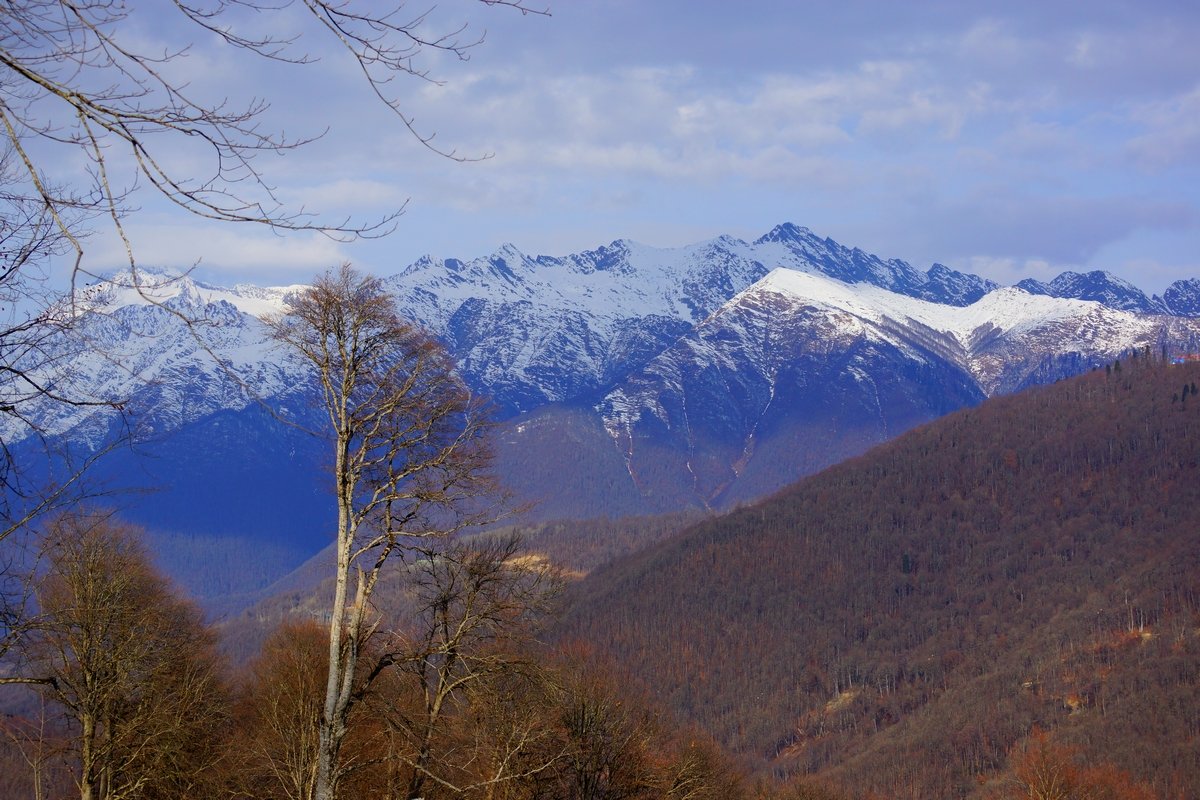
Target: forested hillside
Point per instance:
(1004, 595)
(575, 547)
(901, 622)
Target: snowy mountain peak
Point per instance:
(1097, 285)
(786, 232)
(509, 252)
(969, 332)
(613, 257)
(1183, 298)
(954, 287)
(720, 355)
(507, 262)
(802, 356)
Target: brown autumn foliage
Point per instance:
(608, 740)
(276, 714)
(575, 732)
(274, 741)
(1041, 769)
(462, 704)
(134, 702)
(897, 623)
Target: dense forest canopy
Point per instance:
(907, 617)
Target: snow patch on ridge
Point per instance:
(1008, 309)
(150, 287)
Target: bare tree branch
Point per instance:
(77, 86)
(71, 78)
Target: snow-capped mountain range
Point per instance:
(536, 330)
(168, 349)
(632, 378)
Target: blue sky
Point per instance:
(1012, 139)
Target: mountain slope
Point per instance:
(800, 371)
(899, 621)
(699, 377)
(533, 330)
(775, 385)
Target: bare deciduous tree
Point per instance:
(465, 659)
(616, 745)
(609, 740)
(454, 705)
(131, 666)
(410, 460)
(279, 715)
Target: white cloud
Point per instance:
(1032, 136)
(245, 253)
(670, 123)
(1171, 132)
(1008, 271)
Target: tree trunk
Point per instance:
(341, 659)
(87, 759)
